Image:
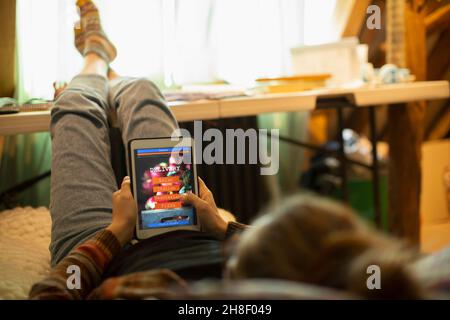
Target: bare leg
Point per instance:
(93, 64)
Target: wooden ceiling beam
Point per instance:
(438, 19)
(440, 126)
(439, 59)
(355, 18)
(432, 5)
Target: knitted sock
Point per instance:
(95, 39)
(79, 37)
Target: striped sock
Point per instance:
(79, 37)
(95, 39)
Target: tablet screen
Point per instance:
(163, 174)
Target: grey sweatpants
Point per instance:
(82, 180)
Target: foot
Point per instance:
(79, 44)
(79, 38)
(91, 33)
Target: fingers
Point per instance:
(125, 188)
(201, 184)
(203, 189)
(193, 199)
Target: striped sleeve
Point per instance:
(80, 272)
(234, 228)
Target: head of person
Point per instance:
(318, 241)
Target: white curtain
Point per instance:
(172, 42)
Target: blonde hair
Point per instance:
(315, 240)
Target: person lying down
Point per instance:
(304, 239)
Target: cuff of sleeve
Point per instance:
(233, 228)
(108, 241)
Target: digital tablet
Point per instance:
(161, 170)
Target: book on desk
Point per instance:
(9, 106)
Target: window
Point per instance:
(171, 42)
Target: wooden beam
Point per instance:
(440, 126)
(432, 112)
(439, 59)
(438, 19)
(7, 47)
(374, 39)
(432, 115)
(432, 40)
(432, 5)
(355, 18)
(407, 48)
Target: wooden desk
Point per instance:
(366, 96)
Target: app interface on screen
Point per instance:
(162, 176)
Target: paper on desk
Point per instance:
(212, 92)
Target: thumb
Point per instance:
(126, 185)
(193, 199)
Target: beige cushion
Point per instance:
(24, 254)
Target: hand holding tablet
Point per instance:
(124, 213)
(207, 212)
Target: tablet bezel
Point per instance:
(161, 143)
